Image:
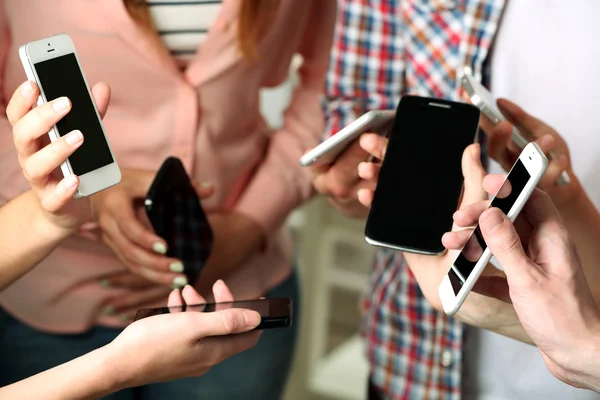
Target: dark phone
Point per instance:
(420, 181)
(174, 210)
(275, 313)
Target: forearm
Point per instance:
(26, 237)
(583, 222)
(88, 377)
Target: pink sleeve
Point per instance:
(281, 184)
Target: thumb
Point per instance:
(226, 322)
(504, 242)
(473, 173)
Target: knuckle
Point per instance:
(228, 322)
(31, 170)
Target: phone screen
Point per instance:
(275, 313)
(61, 76)
(471, 253)
(421, 177)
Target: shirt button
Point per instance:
(446, 358)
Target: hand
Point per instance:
(341, 183)
(40, 160)
(236, 238)
(185, 344)
(547, 288)
(376, 146)
(138, 248)
(505, 152)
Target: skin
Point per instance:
(544, 281)
(151, 350)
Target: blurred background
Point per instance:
(334, 263)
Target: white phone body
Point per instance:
(51, 48)
(330, 149)
(535, 162)
(484, 100)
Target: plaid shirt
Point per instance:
(382, 49)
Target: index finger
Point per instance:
(523, 121)
(374, 144)
(21, 101)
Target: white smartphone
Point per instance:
(484, 100)
(475, 255)
(329, 150)
(53, 64)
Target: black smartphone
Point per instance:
(421, 179)
(275, 313)
(174, 210)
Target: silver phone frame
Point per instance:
(535, 162)
(331, 148)
(53, 47)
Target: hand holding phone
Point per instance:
(176, 214)
(475, 255)
(53, 64)
(329, 150)
(275, 313)
(484, 100)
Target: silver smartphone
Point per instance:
(484, 100)
(475, 255)
(53, 64)
(329, 150)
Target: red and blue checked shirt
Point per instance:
(382, 49)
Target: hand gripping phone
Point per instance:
(53, 64)
(421, 179)
(475, 255)
(330, 149)
(275, 313)
(484, 100)
(174, 210)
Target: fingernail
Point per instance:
(69, 182)
(177, 266)
(547, 141)
(252, 318)
(26, 89)
(180, 281)
(476, 152)
(74, 138)
(105, 283)
(108, 310)
(492, 219)
(206, 185)
(159, 247)
(124, 317)
(61, 104)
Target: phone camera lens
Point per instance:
(48, 44)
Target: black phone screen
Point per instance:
(177, 216)
(275, 313)
(59, 77)
(508, 194)
(420, 181)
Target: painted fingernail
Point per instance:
(180, 281)
(206, 185)
(61, 104)
(159, 247)
(177, 266)
(108, 310)
(74, 137)
(105, 283)
(124, 317)
(26, 89)
(252, 318)
(69, 182)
